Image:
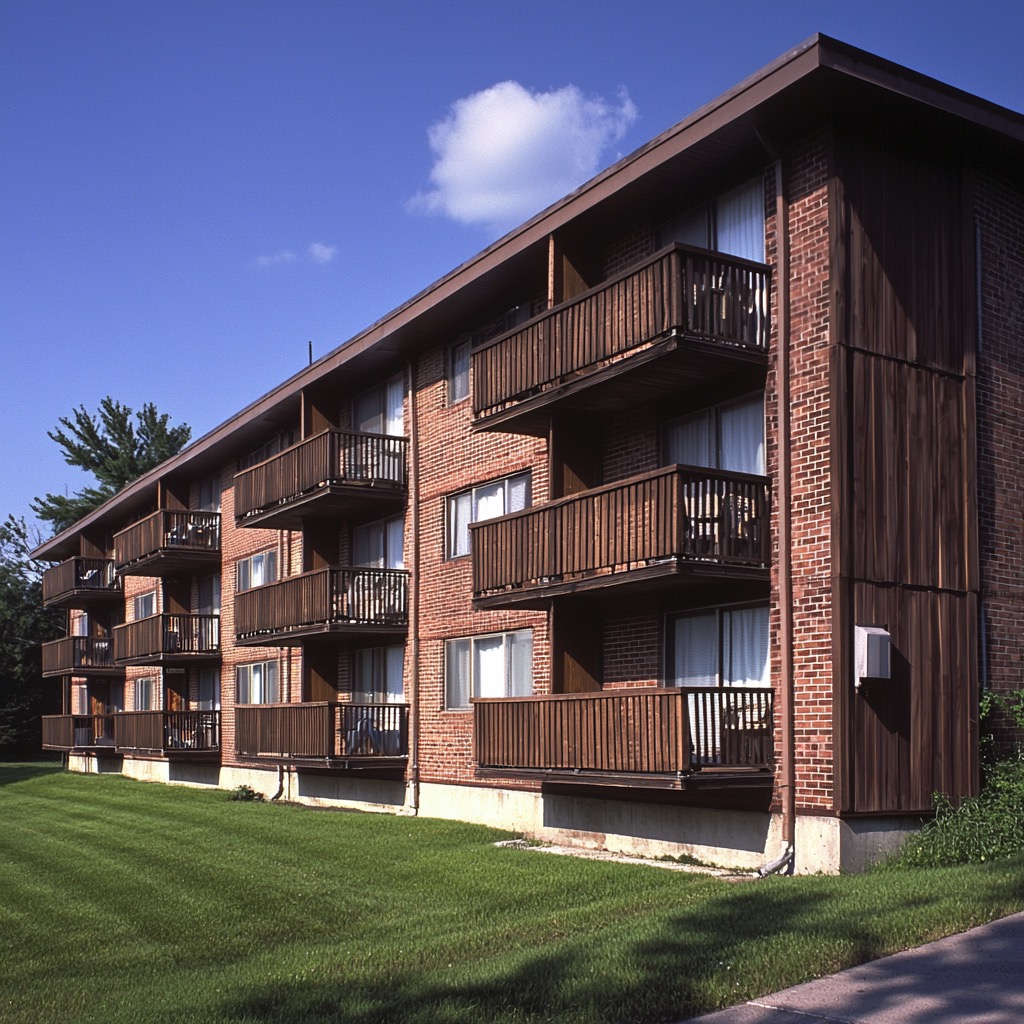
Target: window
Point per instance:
(208, 690)
(380, 410)
(144, 605)
(484, 502)
(733, 223)
(458, 372)
(209, 494)
(256, 570)
(498, 665)
(257, 683)
(377, 675)
(144, 690)
(729, 437)
(720, 647)
(209, 595)
(278, 443)
(379, 545)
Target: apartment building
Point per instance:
(687, 517)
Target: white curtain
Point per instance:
(520, 663)
(745, 647)
(459, 518)
(739, 222)
(394, 399)
(489, 666)
(742, 440)
(394, 658)
(490, 501)
(691, 441)
(518, 496)
(394, 554)
(696, 650)
(456, 674)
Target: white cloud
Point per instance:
(320, 253)
(505, 153)
(284, 256)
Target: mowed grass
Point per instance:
(122, 901)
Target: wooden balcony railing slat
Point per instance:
(332, 595)
(643, 731)
(679, 512)
(706, 295)
(77, 654)
(177, 530)
(329, 458)
(167, 635)
(321, 731)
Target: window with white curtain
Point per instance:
(377, 675)
(379, 545)
(145, 691)
(495, 665)
(144, 605)
(720, 647)
(380, 410)
(256, 683)
(729, 437)
(256, 570)
(208, 690)
(458, 372)
(732, 223)
(497, 498)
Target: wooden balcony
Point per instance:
(680, 319)
(80, 656)
(192, 734)
(78, 732)
(167, 640)
(662, 738)
(323, 476)
(330, 735)
(643, 532)
(81, 583)
(352, 602)
(167, 543)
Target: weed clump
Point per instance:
(247, 794)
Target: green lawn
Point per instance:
(129, 902)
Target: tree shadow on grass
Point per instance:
(718, 954)
(22, 771)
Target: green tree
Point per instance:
(24, 626)
(114, 448)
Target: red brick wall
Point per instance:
(999, 214)
(806, 183)
(451, 458)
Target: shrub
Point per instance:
(982, 828)
(246, 793)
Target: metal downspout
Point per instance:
(787, 734)
(412, 805)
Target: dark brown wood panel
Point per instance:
(915, 734)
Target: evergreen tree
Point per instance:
(114, 449)
(24, 626)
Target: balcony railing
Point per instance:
(326, 732)
(85, 655)
(698, 294)
(322, 463)
(325, 600)
(653, 523)
(167, 732)
(78, 732)
(161, 638)
(168, 540)
(668, 732)
(80, 579)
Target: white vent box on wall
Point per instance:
(870, 653)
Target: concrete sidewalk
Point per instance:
(976, 977)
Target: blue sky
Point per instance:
(192, 192)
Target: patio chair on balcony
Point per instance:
(363, 736)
